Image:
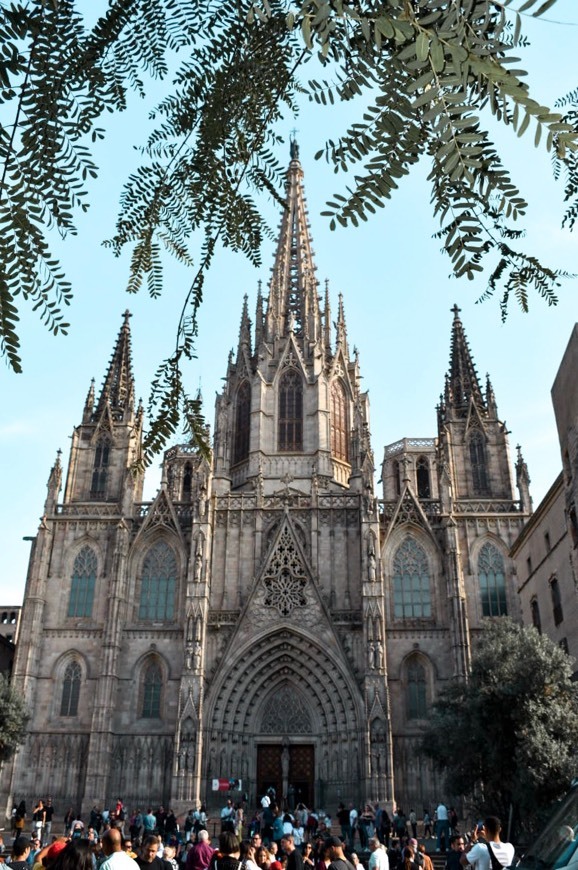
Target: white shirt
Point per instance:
(480, 857)
(353, 817)
(378, 859)
(442, 813)
(119, 861)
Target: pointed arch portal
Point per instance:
(285, 691)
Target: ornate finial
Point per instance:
(127, 315)
(455, 310)
(293, 146)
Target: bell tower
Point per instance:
(107, 444)
(472, 440)
(292, 409)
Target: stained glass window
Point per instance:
(411, 583)
(152, 691)
(478, 463)
(291, 412)
(100, 468)
(157, 597)
(71, 690)
(242, 423)
(423, 479)
(416, 690)
(82, 584)
(492, 580)
(339, 426)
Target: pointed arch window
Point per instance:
(535, 610)
(416, 690)
(157, 596)
(492, 580)
(423, 477)
(556, 601)
(478, 463)
(152, 688)
(71, 690)
(291, 412)
(187, 482)
(82, 584)
(396, 477)
(242, 423)
(100, 468)
(411, 582)
(339, 422)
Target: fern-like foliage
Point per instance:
(568, 168)
(420, 74)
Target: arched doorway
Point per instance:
(286, 690)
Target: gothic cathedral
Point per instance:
(268, 617)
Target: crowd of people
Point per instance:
(271, 839)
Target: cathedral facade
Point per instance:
(269, 617)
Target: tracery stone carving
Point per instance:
(285, 578)
(285, 713)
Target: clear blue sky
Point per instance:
(397, 296)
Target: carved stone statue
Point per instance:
(378, 654)
(371, 655)
(371, 568)
(197, 652)
(198, 569)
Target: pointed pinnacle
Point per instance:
(118, 387)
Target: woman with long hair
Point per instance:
(77, 855)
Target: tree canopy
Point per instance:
(507, 737)
(423, 78)
(14, 717)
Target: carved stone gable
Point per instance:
(285, 577)
(408, 510)
(285, 713)
(161, 513)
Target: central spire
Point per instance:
(118, 388)
(462, 383)
(293, 302)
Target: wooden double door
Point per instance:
(301, 779)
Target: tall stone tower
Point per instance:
(449, 518)
(265, 619)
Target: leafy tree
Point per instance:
(507, 737)
(14, 717)
(419, 74)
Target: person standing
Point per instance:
(378, 859)
(116, 858)
(147, 858)
(228, 817)
(337, 858)
(442, 827)
(48, 814)
(149, 823)
(20, 852)
(294, 856)
(454, 855)
(487, 851)
(353, 820)
(38, 819)
(343, 819)
(201, 855)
